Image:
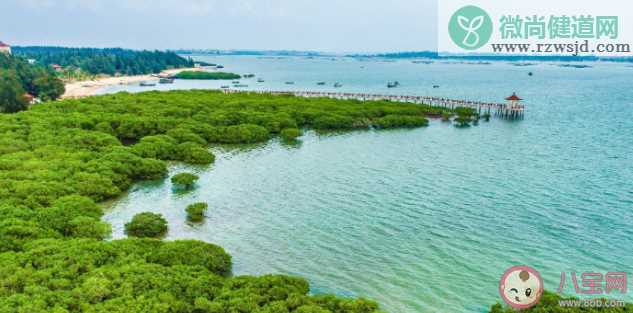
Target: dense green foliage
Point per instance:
(195, 212)
(550, 304)
(146, 225)
(106, 61)
(12, 98)
(59, 158)
(186, 180)
(465, 116)
(392, 120)
(290, 133)
(206, 75)
(18, 77)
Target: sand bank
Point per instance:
(87, 88)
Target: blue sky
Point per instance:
(322, 25)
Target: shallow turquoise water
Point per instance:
(423, 220)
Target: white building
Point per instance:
(4, 48)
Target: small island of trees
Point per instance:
(206, 75)
(195, 212)
(184, 180)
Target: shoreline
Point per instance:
(87, 88)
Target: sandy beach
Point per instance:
(79, 89)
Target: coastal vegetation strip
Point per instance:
(110, 61)
(206, 75)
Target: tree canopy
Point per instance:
(186, 180)
(18, 77)
(109, 61)
(147, 225)
(195, 212)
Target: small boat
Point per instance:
(290, 83)
(260, 80)
(422, 62)
(393, 84)
(240, 86)
(166, 81)
(225, 87)
(219, 66)
(436, 86)
(321, 83)
(235, 82)
(147, 84)
(338, 85)
(530, 74)
(249, 75)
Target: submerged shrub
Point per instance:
(185, 180)
(446, 116)
(463, 121)
(464, 116)
(195, 212)
(146, 225)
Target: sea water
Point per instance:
(428, 219)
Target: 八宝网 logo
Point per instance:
(470, 27)
(521, 287)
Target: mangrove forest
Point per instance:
(59, 159)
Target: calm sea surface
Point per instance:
(422, 220)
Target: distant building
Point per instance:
(514, 101)
(57, 67)
(4, 48)
(31, 61)
(29, 98)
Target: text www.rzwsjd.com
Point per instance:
(575, 48)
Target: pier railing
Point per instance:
(503, 110)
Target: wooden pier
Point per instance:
(511, 110)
